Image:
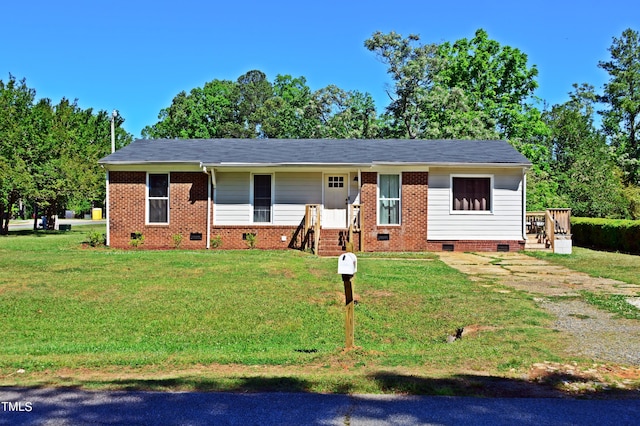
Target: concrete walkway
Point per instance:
(532, 275)
(590, 332)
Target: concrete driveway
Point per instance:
(590, 332)
(532, 275)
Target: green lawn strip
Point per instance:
(64, 305)
(614, 303)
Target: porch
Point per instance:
(329, 240)
(549, 230)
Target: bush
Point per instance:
(177, 240)
(137, 239)
(97, 239)
(216, 242)
(607, 234)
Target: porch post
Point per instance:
(210, 184)
(107, 212)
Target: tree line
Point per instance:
(585, 152)
(49, 154)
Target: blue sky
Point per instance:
(135, 56)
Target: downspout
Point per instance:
(209, 184)
(108, 237)
(524, 204)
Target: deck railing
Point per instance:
(547, 225)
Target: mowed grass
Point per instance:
(65, 306)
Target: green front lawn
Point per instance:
(65, 306)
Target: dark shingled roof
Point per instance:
(214, 152)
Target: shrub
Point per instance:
(137, 239)
(177, 240)
(97, 239)
(607, 234)
(251, 240)
(216, 242)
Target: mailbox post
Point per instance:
(347, 267)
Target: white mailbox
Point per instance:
(347, 264)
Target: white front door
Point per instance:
(336, 193)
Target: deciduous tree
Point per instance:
(621, 120)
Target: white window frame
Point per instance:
(399, 199)
(252, 196)
(472, 176)
(167, 198)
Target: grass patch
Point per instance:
(249, 319)
(614, 303)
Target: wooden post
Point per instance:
(349, 315)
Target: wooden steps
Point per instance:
(533, 244)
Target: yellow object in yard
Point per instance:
(96, 214)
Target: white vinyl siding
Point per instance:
(232, 199)
(503, 222)
(293, 191)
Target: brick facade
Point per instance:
(188, 218)
(472, 245)
(267, 237)
(187, 214)
(411, 234)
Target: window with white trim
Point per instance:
(261, 198)
(389, 199)
(158, 198)
(471, 193)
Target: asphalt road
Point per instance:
(47, 406)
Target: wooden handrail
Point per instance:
(549, 224)
(312, 223)
(355, 225)
(561, 220)
(550, 229)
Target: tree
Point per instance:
(413, 67)
(255, 90)
(253, 107)
(495, 78)
(16, 100)
(69, 141)
(469, 89)
(49, 153)
(206, 112)
(343, 114)
(581, 160)
(621, 121)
